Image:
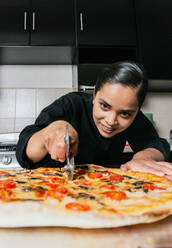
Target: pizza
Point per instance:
(97, 197)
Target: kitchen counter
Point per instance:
(155, 235)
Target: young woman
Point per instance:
(100, 125)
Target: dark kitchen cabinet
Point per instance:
(37, 22)
(106, 33)
(106, 23)
(13, 22)
(53, 22)
(154, 18)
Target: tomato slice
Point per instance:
(9, 180)
(6, 194)
(57, 193)
(115, 177)
(116, 195)
(57, 188)
(7, 185)
(107, 186)
(151, 187)
(52, 185)
(95, 175)
(82, 182)
(75, 206)
(62, 190)
(57, 180)
(40, 193)
(27, 175)
(54, 194)
(4, 173)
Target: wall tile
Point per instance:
(36, 76)
(7, 103)
(6, 125)
(25, 103)
(75, 77)
(47, 96)
(21, 123)
(160, 104)
(164, 125)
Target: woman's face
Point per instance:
(114, 108)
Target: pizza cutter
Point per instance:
(70, 166)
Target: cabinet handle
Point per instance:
(25, 20)
(33, 21)
(81, 22)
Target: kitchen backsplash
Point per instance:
(37, 76)
(26, 90)
(160, 104)
(19, 106)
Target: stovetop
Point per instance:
(8, 143)
(7, 147)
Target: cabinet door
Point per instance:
(106, 22)
(14, 21)
(154, 18)
(52, 22)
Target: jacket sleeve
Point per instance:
(61, 109)
(142, 134)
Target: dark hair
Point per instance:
(127, 73)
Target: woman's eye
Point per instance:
(103, 105)
(126, 114)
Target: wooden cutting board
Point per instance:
(155, 235)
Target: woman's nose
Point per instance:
(111, 119)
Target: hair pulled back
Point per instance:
(128, 74)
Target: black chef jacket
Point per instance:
(76, 108)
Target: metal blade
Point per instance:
(67, 141)
(70, 166)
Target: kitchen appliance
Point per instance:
(8, 143)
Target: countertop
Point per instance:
(154, 235)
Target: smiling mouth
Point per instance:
(107, 129)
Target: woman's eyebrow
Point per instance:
(103, 101)
(128, 110)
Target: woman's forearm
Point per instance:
(36, 149)
(149, 154)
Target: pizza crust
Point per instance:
(28, 214)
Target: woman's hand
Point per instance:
(149, 160)
(161, 168)
(51, 140)
(54, 140)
